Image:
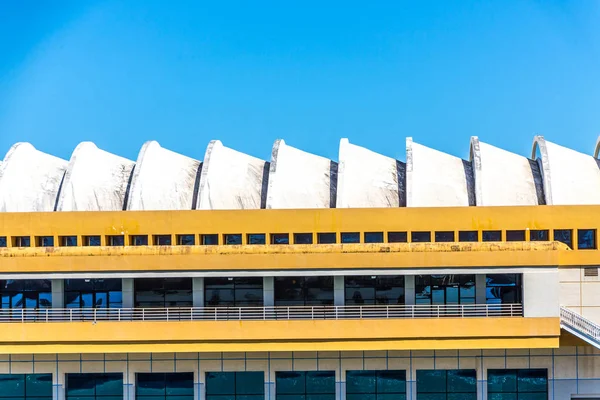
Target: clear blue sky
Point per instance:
(311, 72)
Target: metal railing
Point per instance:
(260, 313)
(580, 326)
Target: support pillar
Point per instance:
(480, 284)
(58, 293)
(269, 291)
(58, 385)
(338, 291)
(409, 290)
(127, 292)
(198, 292)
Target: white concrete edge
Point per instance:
(9, 154)
(597, 148)
(341, 176)
(475, 159)
(409, 172)
(205, 170)
(540, 143)
(69, 173)
(273, 171)
(139, 163)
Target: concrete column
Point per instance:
(129, 384)
(198, 292)
(480, 283)
(338, 291)
(58, 293)
(409, 290)
(58, 385)
(268, 291)
(127, 289)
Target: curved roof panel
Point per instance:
(163, 180)
(95, 180)
(503, 178)
(570, 177)
(30, 179)
(300, 180)
(231, 180)
(368, 179)
(436, 179)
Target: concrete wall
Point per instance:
(540, 293)
(579, 292)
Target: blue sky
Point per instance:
(311, 72)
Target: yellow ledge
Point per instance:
(313, 335)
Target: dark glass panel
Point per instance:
(280, 238)
(565, 236)
(138, 240)
(186, 240)
(350, 237)
(249, 383)
(213, 240)
(290, 383)
(162, 240)
(462, 380)
(373, 237)
(256, 238)
(586, 239)
(468, 236)
(502, 380)
(91, 241)
(303, 238)
(420, 237)
(3, 241)
(515, 236)
(491, 236)
(391, 382)
(39, 385)
(532, 380)
(150, 384)
(179, 384)
(220, 383)
(431, 381)
(12, 385)
(326, 238)
(232, 239)
(444, 236)
(397, 237)
(361, 382)
(537, 235)
(320, 382)
(46, 241)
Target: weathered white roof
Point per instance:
(29, 179)
(367, 179)
(231, 180)
(95, 180)
(163, 180)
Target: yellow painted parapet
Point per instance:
(306, 335)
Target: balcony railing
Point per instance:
(261, 313)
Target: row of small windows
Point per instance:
(514, 384)
(586, 238)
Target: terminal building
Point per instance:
(300, 278)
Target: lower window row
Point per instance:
(505, 384)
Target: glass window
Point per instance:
(93, 293)
(115, 240)
(232, 239)
(213, 240)
(539, 235)
(491, 236)
(515, 236)
(303, 291)
(107, 386)
(45, 241)
(68, 241)
(373, 237)
(364, 290)
(303, 238)
(21, 241)
(326, 238)
(503, 288)
(445, 289)
(444, 236)
(519, 384)
(565, 236)
(468, 236)
(163, 292)
(26, 386)
(280, 238)
(233, 292)
(459, 384)
(26, 293)
(350, 237)
(586, 239)
(420, 237)
(186, 240)
(2, 241)
(137, 240)
(161, 240)
(256, 238)
(235, 386)
(91, 240)
(305, 385)
(164, 386)
(397, 237)
(376, 385)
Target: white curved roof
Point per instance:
(367, 179)
(30, 179)
(95, 180)
(503, 178)
(300, 180)
(436, 179)
(163, 180)
(231, 180)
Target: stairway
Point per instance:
(580, 326)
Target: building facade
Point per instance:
(300, 278)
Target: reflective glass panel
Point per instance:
(397, 237)
(376, 385)
(420, 237)
(186, 240)
(491, 236)
(350, 237)
(26, 386)
(446, 384)
(520, 384)
(503, 288)
(256, 238)
(468, 236)
(301, 291)
(303, 238)
(234, 385)
(165, 386)
(515, 236)
(445, 236)
(94, 386)
(305, 385)
(213, 240)
(373, 237)
(280, 238)
(565, 236)
(232, 239)
(586, 239)
(537, 235)
(326, 238)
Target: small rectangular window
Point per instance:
(586, 239)
(515, 236)
(3, 241)
(590, 271)
(564, 236)
(350, 237)
(539, 235)
(420, 237)
(116, 240)
(68, 241)
(491, 236)
(280, 238)
(468, 236)
(136, 240)
(444, 236)
(161, 240)
(91, 241)
(326, 238)
(397, 237)
(213, 240)
(373, 237)
(21, 241)
(186, 240)
(232, 239)
(256, 238)
(303, 238)
(44, 241)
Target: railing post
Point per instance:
(47, 314)
(119, 314)
(167, 313)
(462, 310)
(94, 314)
(336, 312)
(240, 312)
(288, 312)
(71, 315)
(143, 314)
